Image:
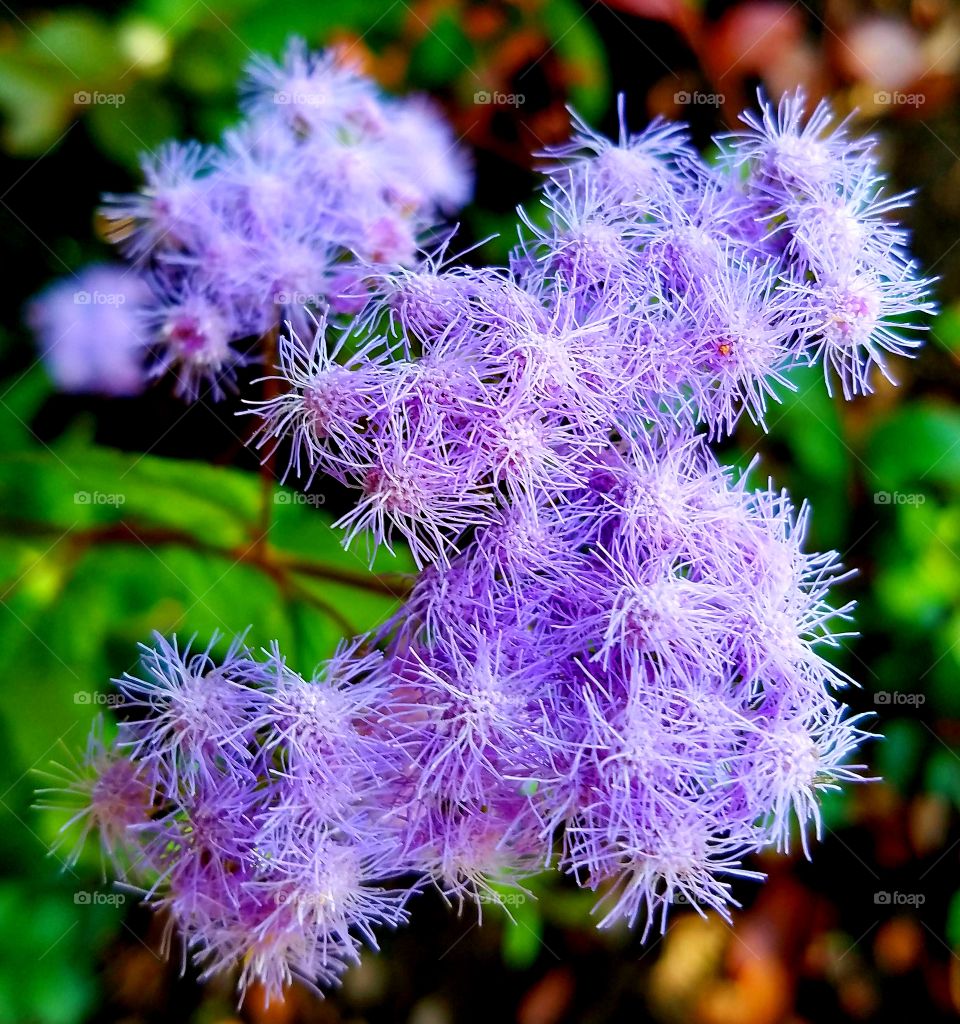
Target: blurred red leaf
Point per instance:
(684, 16)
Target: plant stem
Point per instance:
(267, 466)
(262, 555)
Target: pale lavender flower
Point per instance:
(170, 212)
(197, 719)
(105, 793)
(613, 660)
(324, 184)
(90, 333)
(195, 340)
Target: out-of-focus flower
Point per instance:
(326, 182)
(90, 330)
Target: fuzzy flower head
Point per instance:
(90, 332)
(199, 717)
(194, 342)
(105, 794)
(325, 183)
(311, 92)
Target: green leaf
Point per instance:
(575, 40)
(821, 460)
(443, 52)
(139, 119)
(77, 487)
(47, 945)
(943, 775)
(897, 755)
(18, 405)
(945, 669)
(209, 63)
(810, 422)
(953, 921)
(36, 104)
(915, 449)
(946, 327)
(266, 27)
(101, 547)
(917, 579)
(522, 934)
(78, 42)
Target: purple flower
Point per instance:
(324, 184)
(106, 793)
(90, 333)
(170, 213)
(853, 315)
(327, 399)
(312, 92)
(613, 660)
(194, 340)
(791, 152)
(195, 720)
(634, 168)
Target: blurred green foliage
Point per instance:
(165, 68)
(98, 549)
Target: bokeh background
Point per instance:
(872, 925)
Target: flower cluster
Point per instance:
(644, 730)
(323, 179)
(246, 801)
(658, 291)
